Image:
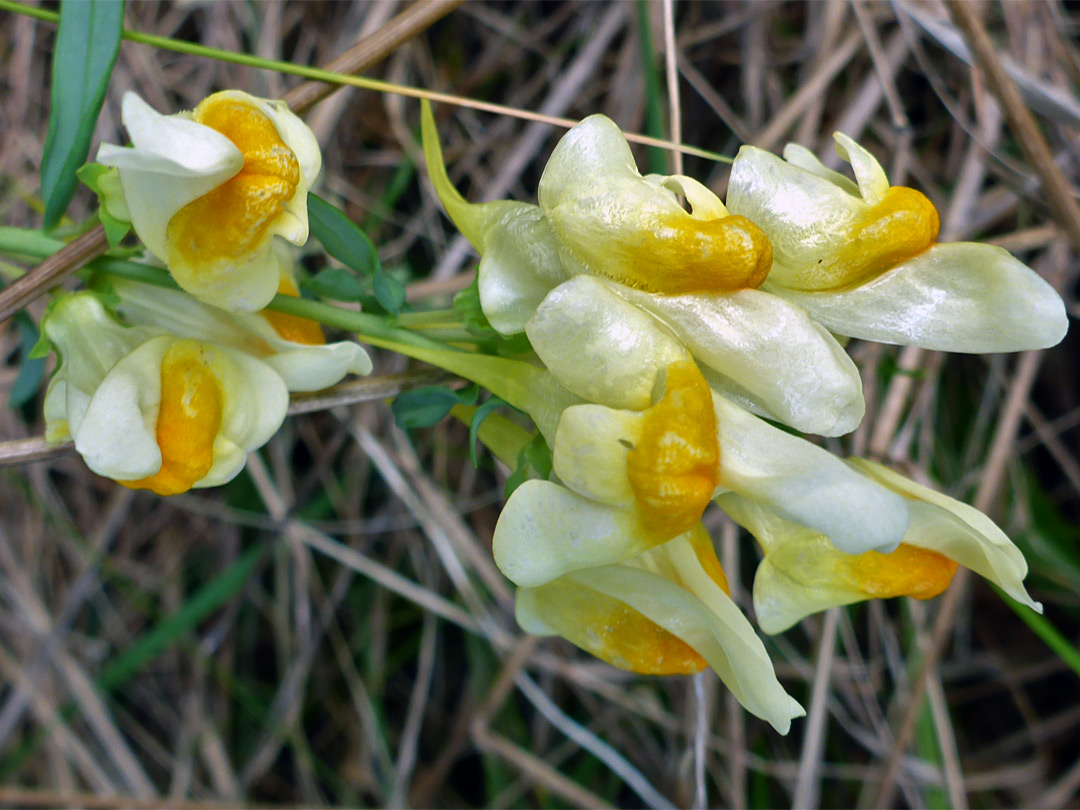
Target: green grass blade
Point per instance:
(167, 631)
(654, 105)
(87, 43)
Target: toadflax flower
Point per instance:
(667, 611)
(294, 347)
(605, 240)
(208, 190)
(151, 409)
(802, 573)
(863, 258)
(632, 480)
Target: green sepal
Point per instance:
(103, 181)
(535, 458)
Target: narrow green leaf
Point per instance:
(177, 624)
(1051, 636)
(87, 43)
(423, 407)
(654, 104)
(478, 418)
(337, 284)
(341, 237)
(389, 292)
(31, 369)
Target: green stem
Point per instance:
(525, 386)
(316, 74)
(428, 318)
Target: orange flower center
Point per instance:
(674, 467)
(901, 226)
(679, 254)
(189, 418)
(227, 225)
(908, 571)
(630, 641)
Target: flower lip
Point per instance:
(228, 224)
(828, 233)
(188, 420)
(612, 222)
(208, 190)
(674, 467)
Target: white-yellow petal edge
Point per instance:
(957, 297)
(960, 532)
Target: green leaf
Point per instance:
(423, 407)
(478, 418)
(90, 175)
(467, 310)
(31, 369)
(341, 237)
(337, 284)
(535, 457)
(389, 292)
(87, 43)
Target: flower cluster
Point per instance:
(173, 388)
(677, 331)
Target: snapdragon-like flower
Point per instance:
(632, 480)
(605, 241)
(207, 191)
(667, 611)
(294, 347)
(863, 258)
(802, 573)
(151, 409)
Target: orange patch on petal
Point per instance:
(189, 418)
(908, 571)
(229, 224)
(681, 255)
(901, 226)
(674, 468)
(292, 327)
(630, 641)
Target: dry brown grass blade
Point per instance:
(360, 56)
(368, 389)
(943, 624)
(1020, 120)
(52, 271)
(415, 19)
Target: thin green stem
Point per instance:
(319, 75)
(428, 318)
(36, 245)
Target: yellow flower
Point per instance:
(294, 347)
(632, 480)
(802, 573)
(665, 612)
(863, 258)
(153, 410)
(614, 256)
(208, 190)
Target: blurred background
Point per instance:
(329, 629)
